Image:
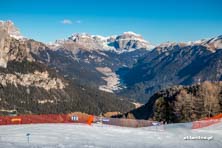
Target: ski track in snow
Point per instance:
(104, 136)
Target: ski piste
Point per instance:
(79, 135)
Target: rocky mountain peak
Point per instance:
(130, 35)
(126, 42)
(211, 44)
(11, 45)
(10, 29)
(130, 41)
(80, 36)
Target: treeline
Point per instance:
(182, 103)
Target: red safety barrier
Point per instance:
(89, 119)
(74, 118)
(49, 118)
(207, 122)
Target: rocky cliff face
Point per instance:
(36, 79)
(13, 49)
(4, 49)
(182, 104)
(12, 45)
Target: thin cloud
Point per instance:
(78, 22)
(66, 22)
(69, 22)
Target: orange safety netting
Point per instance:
(89, 119)
(49, 118)
(74, 118)
(207, 122)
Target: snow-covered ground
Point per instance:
(100, 136)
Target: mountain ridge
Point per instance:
(30, 86)
(123, 65)
(173, 64)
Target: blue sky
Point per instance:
(156, 20)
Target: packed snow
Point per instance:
(104, 136)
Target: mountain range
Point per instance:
(96, 74)
(172, 64)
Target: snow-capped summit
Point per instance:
(131, 41)
(10, 29)
(212, 44)
(126, 42)
(131, 33)
(131, 36)
(89, 42)
(167, 44)
(79, 36)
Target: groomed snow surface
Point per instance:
(104, 136)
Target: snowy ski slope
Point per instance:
(104, 136)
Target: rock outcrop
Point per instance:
(36, 79)
(12, 45)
